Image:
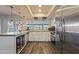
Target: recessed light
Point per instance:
(39, 10)
(39, 5)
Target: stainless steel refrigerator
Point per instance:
(67, 34)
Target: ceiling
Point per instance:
(67, 10)
(28, 12)
(22, 11)
(35, 10)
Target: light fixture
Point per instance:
(39, 10)
(11, 13)
(39, 5)
(23, 17)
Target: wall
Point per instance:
(4, 25)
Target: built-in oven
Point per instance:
(52, 34)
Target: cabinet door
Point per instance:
(39, 36)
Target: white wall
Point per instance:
(53, 22)
(4, 25)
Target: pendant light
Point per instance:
(11, 13)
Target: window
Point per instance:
(38, 25)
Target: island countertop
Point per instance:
(13, 33)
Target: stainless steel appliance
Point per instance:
(59, 34)
(52, 34)
(67, 29)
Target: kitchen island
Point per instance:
(12, 43)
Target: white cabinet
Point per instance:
(39, 36)
(7, 44)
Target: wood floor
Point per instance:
(39, 48)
